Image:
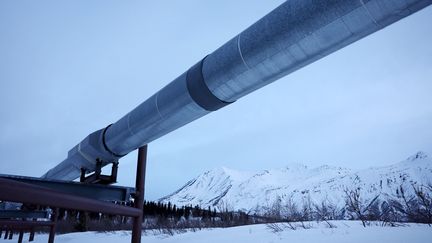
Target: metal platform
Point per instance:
(91, 191)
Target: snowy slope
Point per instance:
(255, 192)
(345, 231)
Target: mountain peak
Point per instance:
(231, 173)
(418, 156)
(296, 166)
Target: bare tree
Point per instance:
(416, 206)
(423, 209)
(307, 212)
(326, 211)
(291, 211)
(359, 209)
(275, 211)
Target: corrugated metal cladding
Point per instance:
(293, 35)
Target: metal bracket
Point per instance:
(97, 177)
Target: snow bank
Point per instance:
(346, 231)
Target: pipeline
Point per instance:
(293, 35)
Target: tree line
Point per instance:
(157, 215)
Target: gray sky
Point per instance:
(68, 68)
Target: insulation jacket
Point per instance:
(293, 35)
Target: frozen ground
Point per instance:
(346, 231)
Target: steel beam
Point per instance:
(15, 191)
(92, 191)
(8, 214)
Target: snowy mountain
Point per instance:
(224, 188)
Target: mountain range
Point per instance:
(255, 192)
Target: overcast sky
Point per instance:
(68, 68)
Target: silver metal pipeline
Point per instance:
(293, 35)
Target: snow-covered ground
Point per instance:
(345, 231)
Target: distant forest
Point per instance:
(157, 209)
(157, 215)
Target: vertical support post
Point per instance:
(139, 193)
(21, 234)
(114, 170)
(32, 233)
(32, 229)
(53, 226)
(20, 237)
(98, 169)
(82, 175)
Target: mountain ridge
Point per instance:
(255, 192)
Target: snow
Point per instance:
(345, 231)
(254, 192)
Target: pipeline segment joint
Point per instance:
(106, 146)
(199, 91)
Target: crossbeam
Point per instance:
(16, 191)
(8, 214)
(19, 224)
(92, 191)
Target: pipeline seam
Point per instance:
(157, 106)
(240, 52)
(347, 26)
(369, 13)
(84, 155)
(128, 124)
